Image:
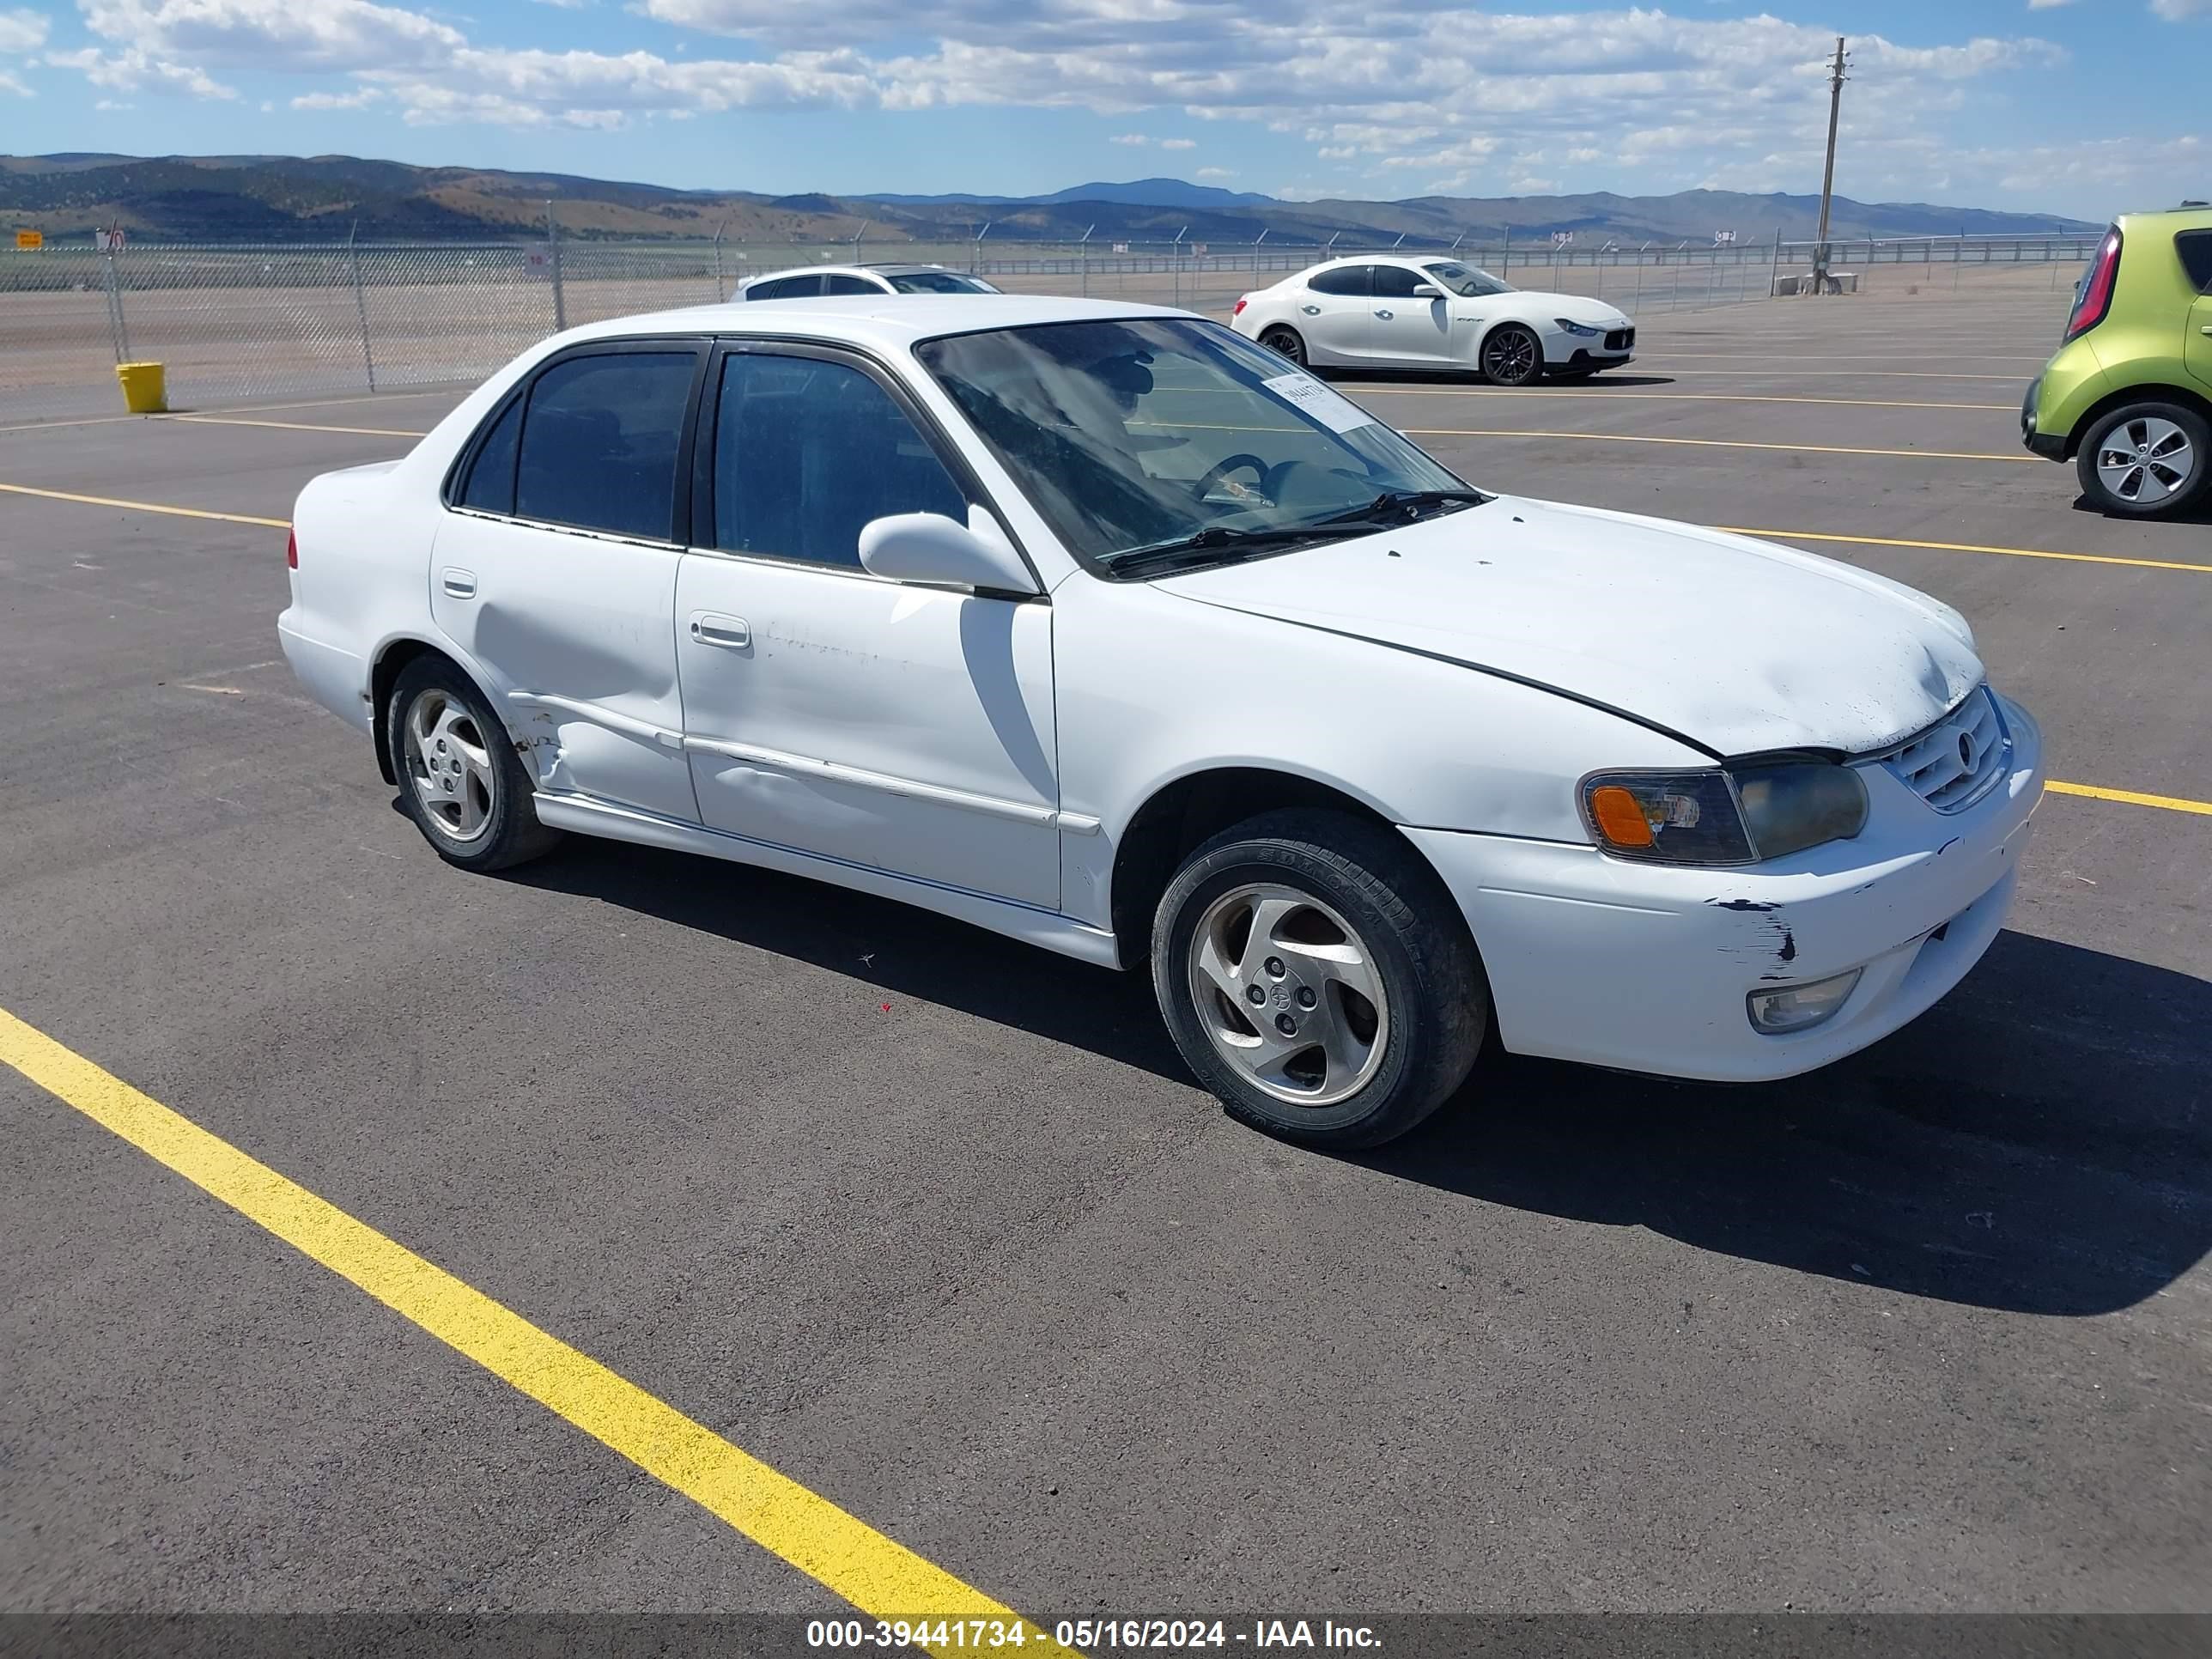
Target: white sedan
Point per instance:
(818, 281)
(1434, 314)
(1099, 626)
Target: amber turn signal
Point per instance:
(1619, 815)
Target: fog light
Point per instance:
(1800, 1007)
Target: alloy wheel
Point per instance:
(1288, 994)
(1509, 356)
(449, 765)
(2146, 460)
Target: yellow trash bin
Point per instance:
(145, 388)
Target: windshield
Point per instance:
(938, 282)
(1466, 282)
(1131, 435)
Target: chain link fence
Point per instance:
(250, 324)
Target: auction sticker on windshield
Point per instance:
(1305, 393)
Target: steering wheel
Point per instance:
(1223, 468)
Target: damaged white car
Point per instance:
(1102, 627)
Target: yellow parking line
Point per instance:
(455, 391)
(145, 507)
(1787, 356)
(876, 1575)
(1963, 547)
(1845, 375)
(2169, 803)
(295, 426)
(1719, 443)
(1607, 395)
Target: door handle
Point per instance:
(461, 583)
(712, 628)
(2206, 329)
(1386, 315)
(1310, 311)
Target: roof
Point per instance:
(886, 321)
(2167, 219)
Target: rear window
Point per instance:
(1344, 279)
(2195, 247)
(938, 281)
(786, 287)
(491, 487)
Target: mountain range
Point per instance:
(300, 198)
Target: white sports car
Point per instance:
(1099, 626)
(1371, 312)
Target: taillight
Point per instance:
(1238, 310)
(2095, 298)
(291, 550)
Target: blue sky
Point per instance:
(2080, 106)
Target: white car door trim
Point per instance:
(588, 816)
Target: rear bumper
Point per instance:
(1647, 967)
(336, 679)
(2051, 446)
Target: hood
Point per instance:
(1575, 307)
(1738, 645)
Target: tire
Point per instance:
(2172, 438)
(460, 777)
(1284, 342)
(1512, 356)
(1346, 903)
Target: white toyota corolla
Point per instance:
(1435, 314)
(1099, 626)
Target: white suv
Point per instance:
(817, 282)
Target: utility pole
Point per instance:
(1828, 173)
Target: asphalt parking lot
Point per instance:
(937, 1226)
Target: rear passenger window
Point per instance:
(848, 285)
(599, 442)
(2195, 247)
(786, 287)
(808, 451)
(491, 487)
(1344, 279)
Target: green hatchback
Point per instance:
(2128, 396)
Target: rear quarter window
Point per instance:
(2196, 250)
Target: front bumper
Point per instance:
(1647, 967)
(1584, 358)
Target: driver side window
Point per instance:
(807, 451)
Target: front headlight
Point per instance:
(1582, 330)
(1741, 816)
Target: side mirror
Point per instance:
(1427, 291)
(929, 547)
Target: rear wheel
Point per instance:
(460, 777)
(2145, 459)
(1512, 356)
(1318, 978)
(1284, 342)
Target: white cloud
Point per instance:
(1178, 144)
(1135, 140)
(359, 99)
(8, 83)
(1215, 174)
(133, 68)
(2047, 5)
(23, 30)
(2174, 10)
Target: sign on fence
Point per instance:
(1120, 247)
(107, 241)
(1198, 250)
(1562, 239)
(1723, 238)
(30, 238)
(537, 262)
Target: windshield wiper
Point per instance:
(1400, 506)
(1216, 544)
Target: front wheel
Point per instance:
(2146, 460)
(1512, 356)
(1284, 342)
(1318, 978)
